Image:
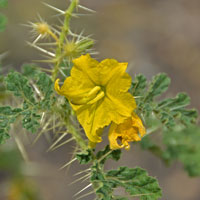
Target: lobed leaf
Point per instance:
(158, 85)
(139, 85)
(136, 183)
(183, 145)
(33, 103)
(7, 117)
(18, 84)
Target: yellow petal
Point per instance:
(94, 117)
(107, 69)
(88, 66)
(130, 130)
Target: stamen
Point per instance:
(94, 91)
(97, 98)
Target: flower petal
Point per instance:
(130, 130)
(88, 66)
(94, 117)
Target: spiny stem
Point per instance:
(80, 141)
(63, 34)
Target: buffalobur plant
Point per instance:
(75, 95)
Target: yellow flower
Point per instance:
(130, 130)
(98, 92)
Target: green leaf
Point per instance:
(45, 85)
(136, 183)
(3, 22)
(184, 145)
(139, 85)
(30, 118)
(7, 117)
(148, 144)
(107, 153)
(172, 110)
(84, 157)
(158, 85)
(30, 70)
(3, 3)
(18, 84)
(34, 101)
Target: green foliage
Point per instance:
(183, 145)
(158, 85)
(107, 153)
(7, 117)
(169, 112)
(3, 3)
(139, 85)
(3, 22)
(3, 19)
(166, 116)
(135, 181)
(36, 92)
(19, 86)
(84, 157)
(101, 156)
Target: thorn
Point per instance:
(40, 133)
(83, 177)
(60, 138)
(78, 173)
(136, 97)
(81, 14)
(83, 189)
(47, 44)
(85, 195)
(54, 8)
(71, 161)
(62, 144)
(87, 9)
(62, 73)
(42, 117)
(105, 155)
(37, 39)
(3, 55)
(41, 49)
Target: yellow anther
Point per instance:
(94, 91)
(97, 98)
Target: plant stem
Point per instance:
(63, 34)
(79, 140)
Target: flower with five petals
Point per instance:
(98, 93)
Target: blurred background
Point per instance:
(152, 36)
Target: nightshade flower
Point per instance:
(98, 93)
(131, 130)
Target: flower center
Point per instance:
(95, 95)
